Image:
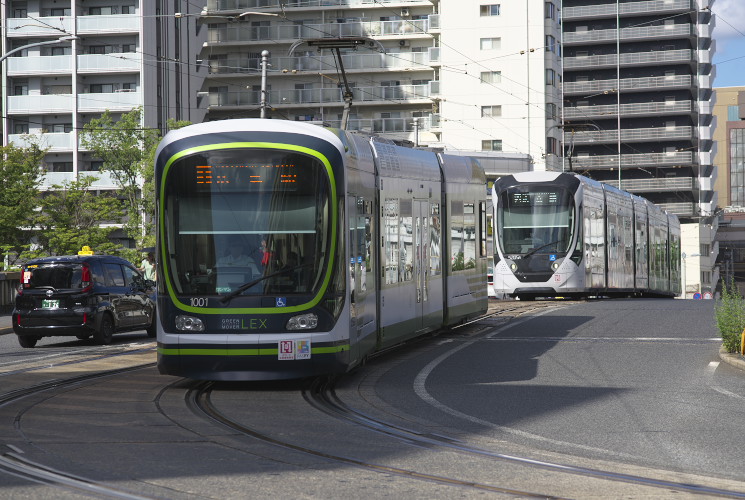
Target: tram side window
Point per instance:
(435, 235)
(483, 228)
(456, 239)
(469, 236)
(390, 221)
(406, 237)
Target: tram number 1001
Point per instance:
(198, 302)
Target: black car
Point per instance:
(82, 296)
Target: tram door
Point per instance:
(361, 269)
(421, 260)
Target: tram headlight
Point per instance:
(307, 321)
(555, 265)
(189, 324)
(513, 266)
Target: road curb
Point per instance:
(735, 360)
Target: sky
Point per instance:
(729, 33)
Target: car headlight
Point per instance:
(189, 324)
(307, 321)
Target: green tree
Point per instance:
(21, 171)
(124, 147)
(72, 216)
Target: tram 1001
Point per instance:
(288, 250)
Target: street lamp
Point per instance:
(62, 39)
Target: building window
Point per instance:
(737, 166)
(551, 111)
(491, 77)
(102, 11)
(101, 88)
(550, 43)
(489, 10)
(550, 11)
(491, 43)
(706, 277)
(552, 146)
(491, 145)
(733, 113)
(491, 111)
(550, 77)
(128, 9)
(60, 166)
(20, 128)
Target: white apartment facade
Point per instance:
(456, 75)
(113, 55)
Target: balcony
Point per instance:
(213, 5)
(385, 125)
(604, 162)
(39, 65)
(633, 84)
(292, 32)
(27, 27)
(315, 63)
(629, 8)
(326, 96)
(704, 132)
(655, 185)
(121, 23)
(632, 109)
(56, 142)
(40, 104)
(629, 34)
(113, 101)
(632, 59)
(128, 62)
(104, 180)
(685, 209)
(634, 135)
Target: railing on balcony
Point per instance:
(121, 23)
(679, 209)
(326, 96)
(35, 104)
(384, 125)
(263, 4)
(60, 141)
(40, 65)
(39, 26)
(634, 135)
(631, 59)
(639, 32)
(113, 101)
(633, 160)
(103, 63)
(638, 108)
(655, 185)
(652, 82)
(625, 8)
(314, 62)
(242, 33)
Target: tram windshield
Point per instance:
(240, 216)
(535, 219)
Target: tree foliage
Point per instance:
(21, 171)
(730, 316)
(72, 216)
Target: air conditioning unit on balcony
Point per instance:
(404, 43)
(405, 12)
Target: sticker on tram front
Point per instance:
(293, 349)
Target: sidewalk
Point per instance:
(6, 324)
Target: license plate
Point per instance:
(50, 304)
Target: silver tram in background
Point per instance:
(564, 235)
(288, 250)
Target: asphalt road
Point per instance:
(633, 386)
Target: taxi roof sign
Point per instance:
(86, 250)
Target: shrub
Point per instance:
(729, 313)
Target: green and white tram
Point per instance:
(288, 250)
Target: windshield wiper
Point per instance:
(543, 246)
(250, 284)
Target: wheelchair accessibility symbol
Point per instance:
(280, 302)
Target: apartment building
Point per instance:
(474, 76)
(69, 61)
(658, 94)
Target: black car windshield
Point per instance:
(53, 276)
(535, 219)
(234, 216)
